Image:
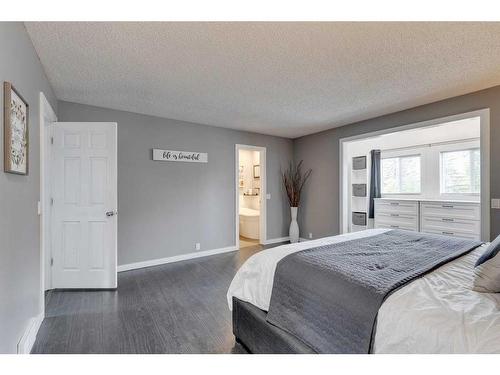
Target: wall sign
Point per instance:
(186, 156)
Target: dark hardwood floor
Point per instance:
(173, 308)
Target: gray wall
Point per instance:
(165, 208)
(319, 212)
(19, 222)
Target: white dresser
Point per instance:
(453, 218)
(392, 213)
(460, 219)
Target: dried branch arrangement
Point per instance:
(293, 181)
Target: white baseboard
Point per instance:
(198, 254)
(176, 258)
(275, 240)
(28, 339)
(304, 239)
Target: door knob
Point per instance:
(111, 213)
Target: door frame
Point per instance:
(47, 118)
(263, 193)
(485, 198)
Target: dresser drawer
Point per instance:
(454, 210)
(395, 226)
(451, 227)
(397, 220)
(396, 207)
(472, 236)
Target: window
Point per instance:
(401, 175)
(461, 172)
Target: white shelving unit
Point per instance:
(358, 204)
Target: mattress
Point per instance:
(437, 313)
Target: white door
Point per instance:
(84, 193)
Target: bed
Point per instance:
(436, 311)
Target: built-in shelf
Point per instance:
(358, 189)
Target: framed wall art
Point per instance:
(16, 131)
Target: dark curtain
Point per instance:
(375, 188)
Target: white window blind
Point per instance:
(461, 172)
(401, 175)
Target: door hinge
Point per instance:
(51, 261)
(51, 201)
(51, 140)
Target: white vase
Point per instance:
(294, 226)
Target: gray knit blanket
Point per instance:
(329, 296)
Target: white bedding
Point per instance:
(437, 313)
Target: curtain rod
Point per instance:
(430, 144)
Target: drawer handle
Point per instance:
(445, 219)
(447, 206)
(449, 233)
(395, 215)
(394, 226)
(394, 204)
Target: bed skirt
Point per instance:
(260, 337)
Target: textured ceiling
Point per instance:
(286, 79)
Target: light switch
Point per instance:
(495, 203)
(268, 196)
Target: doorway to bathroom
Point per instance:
(250, 183)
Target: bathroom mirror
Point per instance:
(256, 171)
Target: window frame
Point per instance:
(401, 156)
(441, 177)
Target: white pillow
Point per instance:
(487, 269)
